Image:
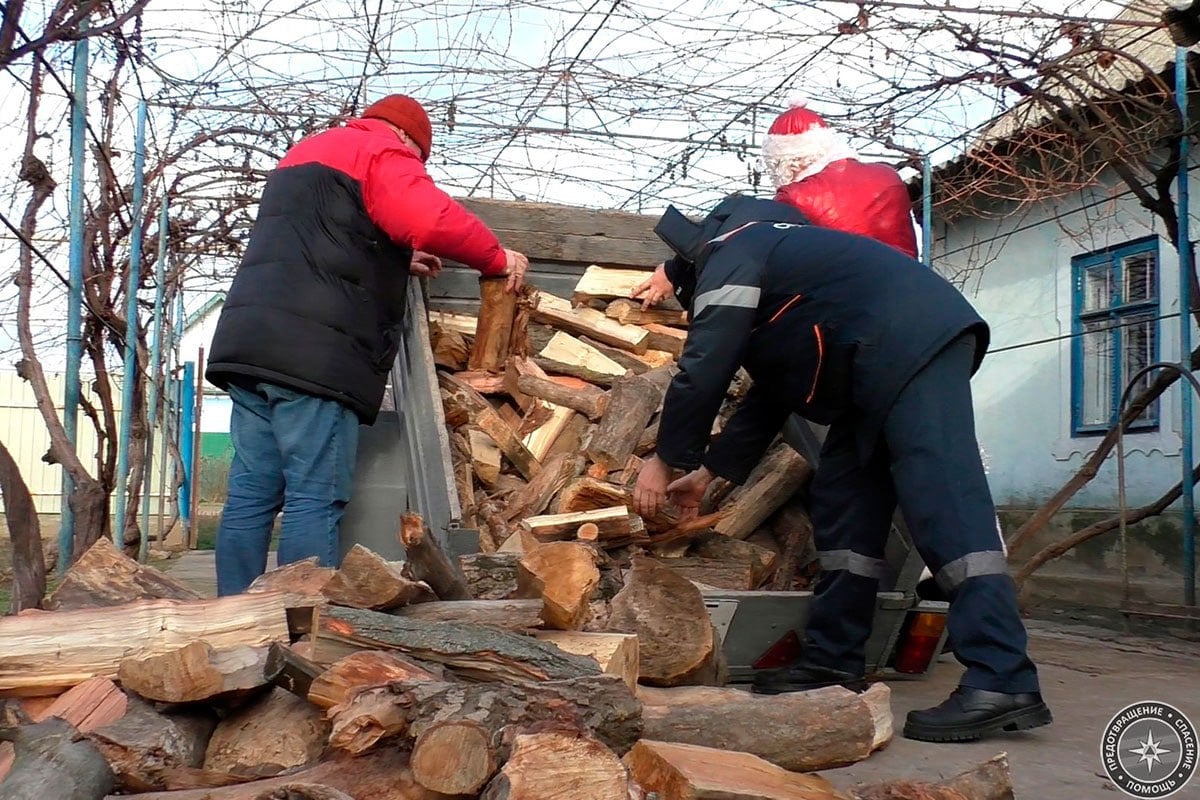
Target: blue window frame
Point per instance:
(1115, 302)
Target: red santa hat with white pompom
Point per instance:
(800, 144)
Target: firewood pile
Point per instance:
(551, 405)
(391, 681)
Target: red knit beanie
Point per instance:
(407, 115)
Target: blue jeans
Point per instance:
(292, 452)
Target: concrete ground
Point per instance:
(1088, 674)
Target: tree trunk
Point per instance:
(54, 761)
(104, 577)
(601, 705)
(511, 615)
(150, 751)
(28, 560)
(559, 765)
(493, 331)
(337, 684)
(426, 561)
(689, 772)
(367, 580)
(675, 635)
(275, 733)
(564, 575)
(197, 672)
(801, 731)
(478, 652)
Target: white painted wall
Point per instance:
(1017, 272)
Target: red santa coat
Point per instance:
(851, 196)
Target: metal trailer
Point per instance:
(404, 464)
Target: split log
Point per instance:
(991, 780)
(42, 659)
(601, 706)
(486, 383)
(564, 575)
(664, 338)
(303, 791)
(104, 577)
(427, 562)
(611, 523)
(715, 572)
(572, 439)
(149, 751)
(478, 652)
(450, 348)
(631, 362)
(380, 775)
(467, 401)
(463, 324)
(573, 393)
(493, 332)
(277, 732)
(367, 580)
(536, 495)
(772, 483)
(515, 369)
(616, 653)
(490, 576)
(589, 494)
(630, 312)
(607, 283)
(792, 526)
(675, 635)
(759, 559)
(801, 731)
(54, 761)
(564, 766)
(687, 772)
(588, 322)
(541, 440)
(304, 577)
(197, 672)
(632, 403)
(647, 441)
(566, 355)
(335, 685)
(511, 615)
(290, 669)
(90, 705)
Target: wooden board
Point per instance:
(43, 659)
(616, 653)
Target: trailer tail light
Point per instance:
(784, 652)
(919, 645)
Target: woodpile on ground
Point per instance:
(551, 404)
(365, 682)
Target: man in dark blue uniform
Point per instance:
(850, 333)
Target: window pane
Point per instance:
(1140, 273)
(1097, 287)
(1137, 344)
(1096, 402)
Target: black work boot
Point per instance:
(972, 714)
(802, 677)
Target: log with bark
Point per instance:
(777, 477)
(197, 672)
(511, 615)
(564, 575)
(149, 750)
(718, 573)
(760, 559)
(589, 322)
(104, 577)
(41, 658)
(616, 653)
(574, 393)
(612, 524)
(535, 496)
(379, 775)
(450, 348)
(688, 772)
(277, 732)
(464, 401)
(367, 668)
(562, 765)
(630, 312)
(426, 560)
(53, 760)
(493, 332)
(793, 528)
(306, 577)
(490, 576)
(666, 338)
(991, 780)
(676, 641)
(801, 731)
(478, 652)
(367, 580)
(631, 404)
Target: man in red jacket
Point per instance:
(312, 322)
